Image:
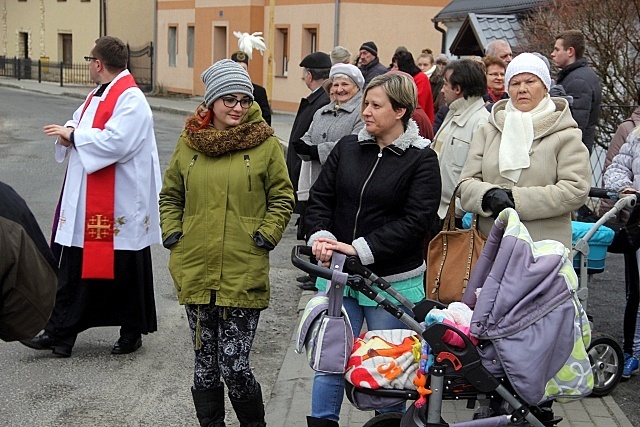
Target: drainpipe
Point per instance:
(155, 43)
(104, 16)
(444, 37)
(336, 23)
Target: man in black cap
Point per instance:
(259, 93)
(369, 63)
(316, 70)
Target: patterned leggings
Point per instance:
(227, 336)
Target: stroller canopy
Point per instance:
(523, 295)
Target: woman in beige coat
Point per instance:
(529, 156)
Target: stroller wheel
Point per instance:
(391, 419)
(606, 360)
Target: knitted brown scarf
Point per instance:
(213, 142)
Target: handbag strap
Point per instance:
(449, 223)
(335, 288)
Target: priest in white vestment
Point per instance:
(107, 217)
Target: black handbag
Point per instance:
(627, 237)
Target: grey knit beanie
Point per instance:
(225, 77)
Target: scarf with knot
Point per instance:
(214, 142)
(517, 137)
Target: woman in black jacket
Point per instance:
(376, 197)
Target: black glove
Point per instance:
(496, 200)
(262, 242)
(172, 239)
(305, 151)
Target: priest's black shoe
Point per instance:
(45, 341)
(42, 341)
(126, 346)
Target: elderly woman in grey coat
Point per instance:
(529, 157)
(341, 117)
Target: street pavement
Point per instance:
(290, 398)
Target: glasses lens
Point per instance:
(232, 102)
(229, 102)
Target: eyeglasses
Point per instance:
(90, 58)
(231, 102)
(496, 74)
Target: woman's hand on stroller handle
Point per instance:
(323, 248)
(625, 198)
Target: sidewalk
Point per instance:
(290, 400)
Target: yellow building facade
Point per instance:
(192, 34)
(65, 30)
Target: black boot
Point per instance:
(320, 422)
(250, 411)
(209, 406)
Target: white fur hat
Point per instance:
(528, 63)
(350, 71)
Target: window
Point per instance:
(173, 45)
(190, 37)
(309, 40)
(282, 51)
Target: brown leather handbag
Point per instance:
(451, 257)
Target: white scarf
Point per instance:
(517, 137)
(430, 71)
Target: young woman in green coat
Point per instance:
(225, 202)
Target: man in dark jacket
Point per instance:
(579, 81)
(28, 270)
(316, 68)
(369, 63)
(259, 93)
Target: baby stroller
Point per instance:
(466, 372)
(605, 353)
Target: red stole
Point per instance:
(98, 255)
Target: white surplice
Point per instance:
(128, 140)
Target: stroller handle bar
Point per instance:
(602, 193)
(307, 267)
(605, 193)
(627, 201)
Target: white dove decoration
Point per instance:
(247, 42)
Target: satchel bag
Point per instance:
(325, 330)
(451, 257)
(627, 237)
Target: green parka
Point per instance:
(218, 203)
